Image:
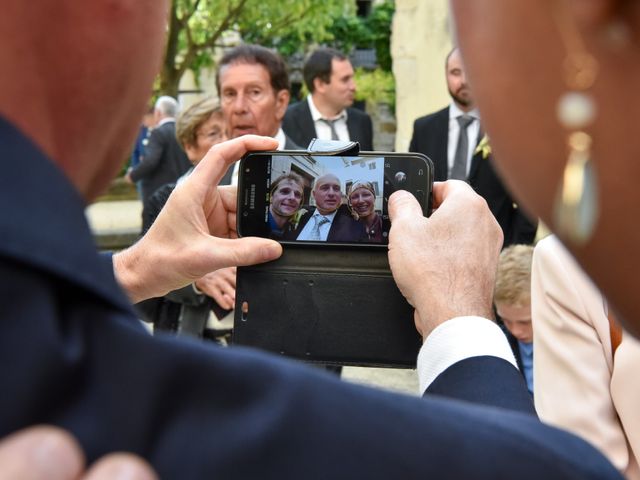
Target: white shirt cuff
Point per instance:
(456, 340)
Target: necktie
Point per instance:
(331, 123)
(459, 169)
(320, 220)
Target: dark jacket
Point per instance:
(164, 161)
(344, 227)
(298, 124)
(431, 137)
(73, 354)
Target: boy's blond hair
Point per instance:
(513, 279)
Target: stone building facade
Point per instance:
(420, 40)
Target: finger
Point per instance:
(120, 466)
(228, 289)
(225, 302)
(229, 197)
(218, 297)
(444, 190)
(242, 251)
(40, 453)
(218, 159)
(231, 281)
(229, 275)
(403, 205)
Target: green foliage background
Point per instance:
(197, 27)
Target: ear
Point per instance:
(319, 85)
(282, 102)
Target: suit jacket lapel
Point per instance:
(441, 133)
(290, 145)
(305, 122)
(353, 127)
(476, 158)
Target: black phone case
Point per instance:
(327, 304)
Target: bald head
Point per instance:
(327, 193)
(86, 81)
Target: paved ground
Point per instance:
(117, 216)
(404, 381)
(120, 215)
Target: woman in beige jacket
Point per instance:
(581, 383)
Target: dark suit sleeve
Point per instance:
(298, 124)
(413, 145)
(152, 155)
(523, 228)
(484, 380)
(154, 205)
(368, 128)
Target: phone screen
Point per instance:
(296, 197)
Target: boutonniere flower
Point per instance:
(295, 219)
(483, 147)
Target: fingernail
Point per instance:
(271, 251)
(122, 466)
(56, 456)
(128, 470)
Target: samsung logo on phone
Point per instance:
(252, 197)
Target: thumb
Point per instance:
(244, 251)
(39, 453)
(404, 205)
(120, 465)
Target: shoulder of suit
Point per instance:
(344, 210)
(309, 209)
(291, 145)
(432, 116)
(356, 112)
(165, 129)
(296, 107)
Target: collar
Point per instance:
(329, 216)
(166, 120)
(316, 115)
(45, 227)
(455, 112)
(281, 138)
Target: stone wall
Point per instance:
(384, 126)
(420, 41)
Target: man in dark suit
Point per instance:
(329, 220)
(75, 356)
(326, 113)
(164, 160)
(442, 136)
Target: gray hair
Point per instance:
(168, 106)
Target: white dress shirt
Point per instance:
(280, 137)
(454, 134)
(305, 234)
(458, 339)
(323, 131)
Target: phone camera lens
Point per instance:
(400, 178)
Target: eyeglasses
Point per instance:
(214, 135)
(253, 95)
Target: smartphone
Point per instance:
(296, 197)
